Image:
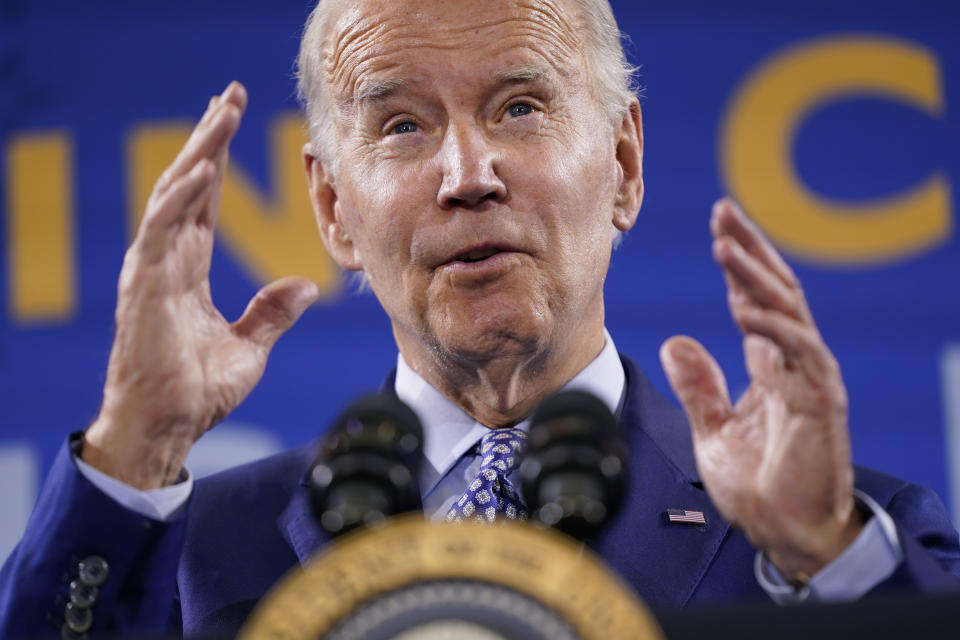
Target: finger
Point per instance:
(751, 281)
(274, 310)
(800, 343)
(211, 135)
(698, 383)
(186, 196)
(167, 177)
(728, 220)
(819, 393)
(211, 109)
(765, 361)
(234, 93)
(209, 140)
(208, 215)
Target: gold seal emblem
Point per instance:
(547, 570)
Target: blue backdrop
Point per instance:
(835, 125)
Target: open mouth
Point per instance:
(477, 255)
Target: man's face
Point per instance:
(475, 175)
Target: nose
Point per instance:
(469, 170)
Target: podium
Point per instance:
(411, 579)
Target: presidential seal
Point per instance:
(412, 579)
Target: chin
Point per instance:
(487, 333)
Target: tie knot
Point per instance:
(501, 448)
(491, 493)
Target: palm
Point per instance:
(171, 328)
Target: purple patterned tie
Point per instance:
(491, 494)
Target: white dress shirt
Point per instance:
(450, 434)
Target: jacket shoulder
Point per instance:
(265, 481)
(880, 486)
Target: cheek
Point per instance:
(387, 212)
(592, 165)
(585, 190)
(578, 187)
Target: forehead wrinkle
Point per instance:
(566, 63)
(550, 64)
(547, 13)
(356, 36)
(541, 22)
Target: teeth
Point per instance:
(477, 255)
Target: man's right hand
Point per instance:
(177, 366)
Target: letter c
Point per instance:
(757, 141)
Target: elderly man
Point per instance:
(475, 160)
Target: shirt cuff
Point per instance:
(163, 504)
(872, 558)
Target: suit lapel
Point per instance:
(663, 561)
(299, 526)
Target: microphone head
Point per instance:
(573, 415)
(375, 421)
(368, 464)
(573, 474)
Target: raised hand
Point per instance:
(177, 366)
(777, 464)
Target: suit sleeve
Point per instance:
(74, 522)
(931, 549)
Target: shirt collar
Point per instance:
(449, 432)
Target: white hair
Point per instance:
(612, 78)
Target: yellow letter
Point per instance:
(272, 237)
(40, 227)
(758, 137)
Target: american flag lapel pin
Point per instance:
(686, 516)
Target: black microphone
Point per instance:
(573, 474)
(368, 465)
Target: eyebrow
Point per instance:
(377, 90)
(522, 74)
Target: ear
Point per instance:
(326, 209)
(629, 153)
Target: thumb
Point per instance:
(698, 383)
(274, 310)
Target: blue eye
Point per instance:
(520, 109)
(405, 127)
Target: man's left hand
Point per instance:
(777, 463)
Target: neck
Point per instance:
(501, 390)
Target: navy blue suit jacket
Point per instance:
(248, 526)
